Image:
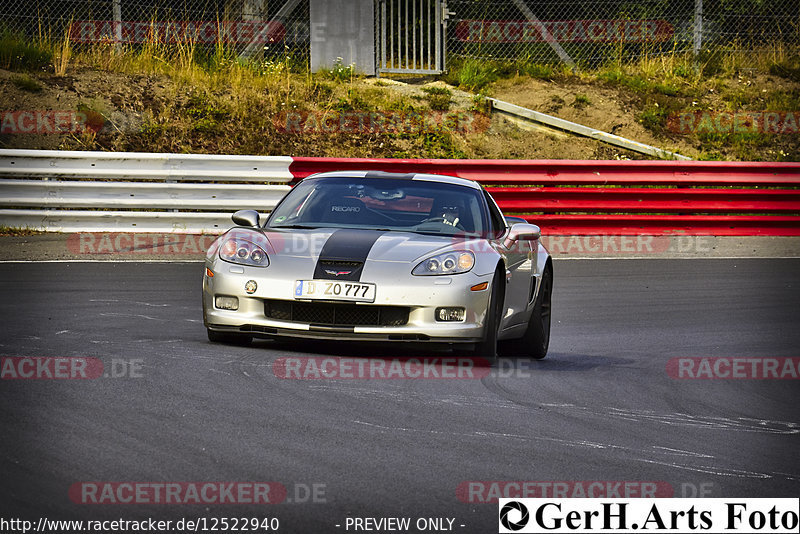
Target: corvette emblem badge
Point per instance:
(337, 273)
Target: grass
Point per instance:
(747, 146)
(480, 104)
(656, 87)
(630, 78)
(17, 53)
(675, 74)
(63, 52)
(18, 231)
(788, 68)
(438, 98)
(212, 101)
(472, 75)
(340, 72)
(477, 74)
(783, 100)
(539, 72)
(26, 83)
(654, 118)
(581, 101)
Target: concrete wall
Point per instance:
(343, 29)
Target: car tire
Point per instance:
(228, 337)
(536, 340)
(487, 347)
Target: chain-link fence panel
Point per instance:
(581, 32)
(591, 32)
(750, 25)
(249, 28)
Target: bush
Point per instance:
(474, 75)
(654, 118)
(540, 72)
(18, 53)
(26, 83)
(438, 98)
(789, 69)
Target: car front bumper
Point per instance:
(422, 295)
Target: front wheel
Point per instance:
(536, 340)
(487, 347)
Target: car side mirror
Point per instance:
(522, 232)
(246, 218)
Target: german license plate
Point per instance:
(333, 290)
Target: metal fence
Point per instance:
(252, 28)
(583, 32)
(594, 31)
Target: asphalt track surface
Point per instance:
(601, 407)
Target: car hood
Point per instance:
(361, 245)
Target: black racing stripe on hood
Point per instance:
(343, 255)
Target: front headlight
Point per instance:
(447, 263)
(238, 250)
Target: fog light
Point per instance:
(450, 314)
(226, 303)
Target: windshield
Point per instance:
(381, 203)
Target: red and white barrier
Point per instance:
(195, 193)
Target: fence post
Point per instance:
(698, 26)
(117, 9)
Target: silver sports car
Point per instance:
(383, 257)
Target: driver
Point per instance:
(450, 215)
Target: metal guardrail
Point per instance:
(99, 191)
(113, 191)
(143, 166)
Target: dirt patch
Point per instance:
(114, 103)
(607, 109)
(653, 116)
(156, 113)
(128, 104)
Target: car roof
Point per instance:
(422, 177)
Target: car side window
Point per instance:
(496, 218)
